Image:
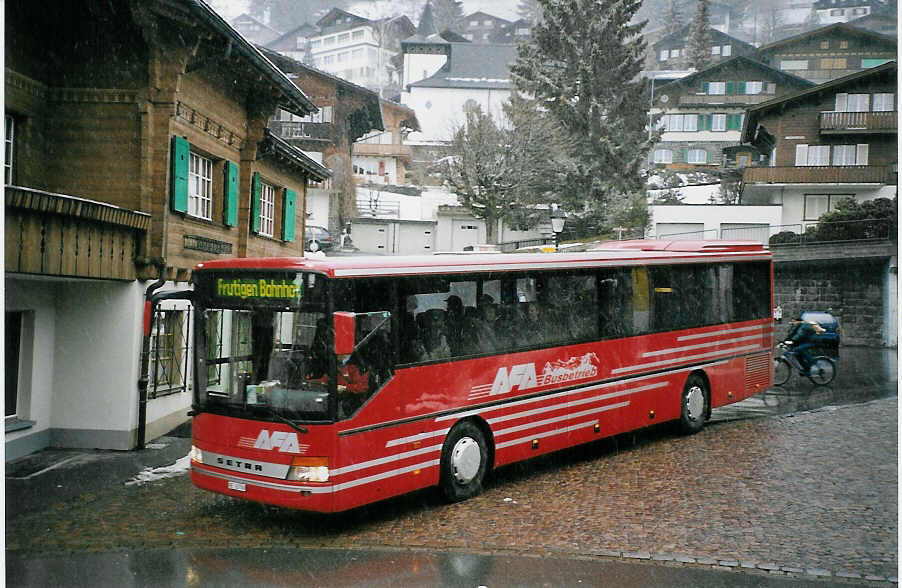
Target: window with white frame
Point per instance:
(357, 35)
(664, 54)
(794, 64)
(852, 102)
(267, 209)
(167, 352)
(663, 156)
(9, 149)
(344, 37)
(818, 204)
(674, 53)
(329, 41)
(883, 102)
(316, 43)
(200, 187)
(807, 155)
(300, 42)
(697, 156)
(715, 50)
(844, 155)
(727, 50)
(675, 123)
(754, 87)
(719, 122)
(717, 88)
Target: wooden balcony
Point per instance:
(844, 123)
(735, 100)
(59, 235)
(828, 174)
(380, 150)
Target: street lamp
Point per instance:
(557, 223)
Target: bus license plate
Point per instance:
(239, 486)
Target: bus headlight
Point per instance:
(309, 469)
(196, 454)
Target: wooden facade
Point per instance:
(96, 123)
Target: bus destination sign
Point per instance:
(257, 288)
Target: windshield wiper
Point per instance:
(271, 411)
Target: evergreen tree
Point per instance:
(447, 14)
(582, 65)
(699, 46)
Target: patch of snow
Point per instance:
(153, 474)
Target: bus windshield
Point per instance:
(265, 347)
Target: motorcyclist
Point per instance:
(801, 338)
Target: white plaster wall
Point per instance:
(712, 216)
(38, 300)
(419, 66)
(98, 341)
(440, 110)
(317, 207)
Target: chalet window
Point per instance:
(316, 43)
(850, 154)
(818, 204)
(663, 156)
(812, 155)
(715, 50)
(753, 87)
(267, 209)
(883, 102)
(9, 149)
(696, 156)
(329, 41)
(357, 35)
(793, 64)
(717, 88)
(719, 122)
(664, 54)
(200, 187)
(833, 63)
(843, 44)
(300, 42)
(836, 12)
(825, 44)
(852, 102)
(726, 50)
(674, 53)
(474, 23)
(344, 37)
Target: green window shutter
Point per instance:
(731, 88)
(734, 122)
(704, 122)
(180, 152)
(288, 213)
(230, 209)
(741, 88)
(704, 87)
(255, 203)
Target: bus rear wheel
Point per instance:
(465, 458)
(694, 405)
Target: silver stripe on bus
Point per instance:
(544, 409)
(417, 437)
(701, 345)
(546, 434)
(560, 265)
(557, 419)
(384, 475)
(724, 332)
(383, 460)
(262, 484)
(629, 368)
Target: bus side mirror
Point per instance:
(344, 332)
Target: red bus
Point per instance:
(328, 383)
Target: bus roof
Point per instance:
(610, 254)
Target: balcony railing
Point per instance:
(61, 235)
(377, 206)
(382, 150)
(805, 233)
(858, 122)
(740, 99)
(308, 131)
(819, 174)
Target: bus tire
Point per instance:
(695, 402)
(465, 459)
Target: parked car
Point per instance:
(828, 341)
(317, 239)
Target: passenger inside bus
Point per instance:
(431, 344)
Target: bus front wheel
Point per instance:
(465, 457)
(696, 400)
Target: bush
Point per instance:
(785, 238)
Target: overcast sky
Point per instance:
(229, 9)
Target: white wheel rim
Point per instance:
(695, 403)
(465, 459)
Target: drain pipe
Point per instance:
(143, 379)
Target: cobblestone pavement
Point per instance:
(812, 493)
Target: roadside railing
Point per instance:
(797, 234)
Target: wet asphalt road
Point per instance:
(797, 485)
